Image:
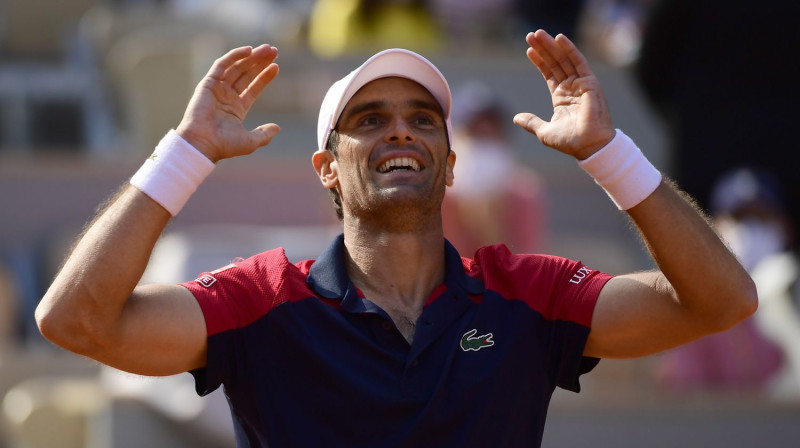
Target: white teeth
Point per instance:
(400, 162)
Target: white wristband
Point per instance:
(172, 173)
(623, 171)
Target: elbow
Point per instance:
(53, 325)
(745, 300)
(46, 321)
(748, 300)
(68, 329)
(738, 305)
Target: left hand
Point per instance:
(213, 121)
(581, 123)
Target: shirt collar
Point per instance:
(328, 275)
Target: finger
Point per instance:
(238, 68)
(540, 56)
(529, 122)
(543, 44)
(255, 88)
(544, 69)
(223, 63)
(264, 134)
(575, 56)
(262, 57)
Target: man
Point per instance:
(390, 338)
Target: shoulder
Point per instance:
(554, 286)
(497, 262)
(264, 270)
(247, 289)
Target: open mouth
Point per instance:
(402, 163)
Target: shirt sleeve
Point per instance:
(231, 298)
(562, 291)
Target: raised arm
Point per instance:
(93, 306)
(700, 287)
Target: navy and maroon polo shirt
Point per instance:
(307, 362)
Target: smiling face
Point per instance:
(392, 159)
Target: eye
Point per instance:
(370, 120)
(423, 120)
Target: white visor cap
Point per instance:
(393, 62)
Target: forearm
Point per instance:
(700, 287)
(93, 306)
(88, 295)
(706, 279)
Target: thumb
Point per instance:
(529, 122)
(264, 133)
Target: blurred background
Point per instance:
(706, 89)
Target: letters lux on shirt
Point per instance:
(580, 275)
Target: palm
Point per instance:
(580, 123)
(213, 121)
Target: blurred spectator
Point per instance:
(720, 73)
(493, 199)
(749, 213)
(778, 317)
(361, 26)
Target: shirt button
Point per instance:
(386, 325)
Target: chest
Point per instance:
(456, 344)
(355, 374)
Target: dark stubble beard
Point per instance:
(402, 215)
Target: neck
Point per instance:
(396, 270)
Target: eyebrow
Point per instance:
(380, 104)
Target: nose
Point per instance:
(399, 133)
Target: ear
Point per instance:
(326, 167)
(451, 162)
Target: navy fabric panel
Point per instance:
(332, 369)
(357, 384)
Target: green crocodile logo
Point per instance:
(470, 342)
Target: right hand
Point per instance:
(213, 121)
